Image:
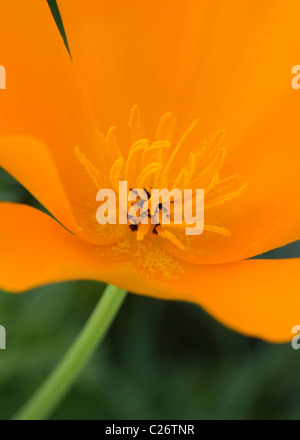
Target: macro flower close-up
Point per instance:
(166, 95)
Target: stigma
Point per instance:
(160, 164)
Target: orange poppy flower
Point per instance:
(206, 88)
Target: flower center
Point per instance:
(161, 164)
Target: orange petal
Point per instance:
(215, 60)
(36, 250)
(256, 297)
(266, 215)
(259, 298)
(228, 63)
(41, 179)
(43, 97)
(126, 53)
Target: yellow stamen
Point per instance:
(208, 173)
(150, 169)
(162, 232)
(112, 143)
(115, 173)
(153, 152)
(225, 198)
(91, 170)
(217, 230)
(181, 178)
(142, 231)
(149, 165)
(191, 167)
(131, 164)
(207, 228)
(103, 144)
(222, 185)
(166, 126)
(135, 124)
(209, 148)
(176, 149)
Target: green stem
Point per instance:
(44, 401)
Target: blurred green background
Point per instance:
(160, 360)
